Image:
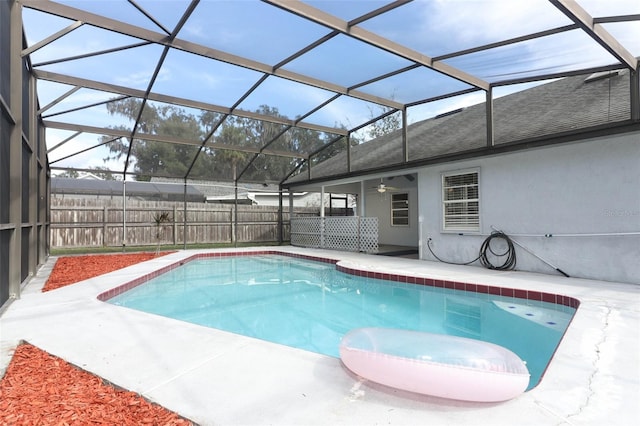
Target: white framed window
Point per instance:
(460, 201)
(400, 209)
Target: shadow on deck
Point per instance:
(398, 251)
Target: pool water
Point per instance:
(310, 305)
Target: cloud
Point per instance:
(463, 24)
(204, 32)
(457, 25)
(134, 79)
(476, 22)
(78, 99)
(89, 159)
(610, 7)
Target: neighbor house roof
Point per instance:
(220, 188)
(114, 188)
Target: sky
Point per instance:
(268, 35)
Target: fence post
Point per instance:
(232, 225)
(175, 225)
(124, 214)
(104, 226)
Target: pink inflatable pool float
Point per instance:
(434, 364)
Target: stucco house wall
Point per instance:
(591, 187)
(380, 207)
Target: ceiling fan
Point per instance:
(381, 188)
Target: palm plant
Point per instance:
(160, 218)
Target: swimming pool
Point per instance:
(311, 305)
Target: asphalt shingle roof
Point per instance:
(563, 105)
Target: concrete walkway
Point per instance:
(218, 378)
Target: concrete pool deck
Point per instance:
(217, 378)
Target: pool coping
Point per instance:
(185, 367)
(534, 295)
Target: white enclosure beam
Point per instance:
(161, 138)
(316, 15)
(51, 38)
(198, 49)
(577, 14)
(136, 93)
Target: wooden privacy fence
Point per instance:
(100, 223)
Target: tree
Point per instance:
(264, 134)
(103, 173)
(228, 160)
(151, 157)
(73, 174)
(334, 145)
(385, 125)
(258, 134)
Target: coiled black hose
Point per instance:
(485, 249)
(509, 253)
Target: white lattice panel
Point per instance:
(369, 234)
(341, 233)
(306, 231)
(337, 233)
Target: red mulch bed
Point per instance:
(69, 270)
(41, 389)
